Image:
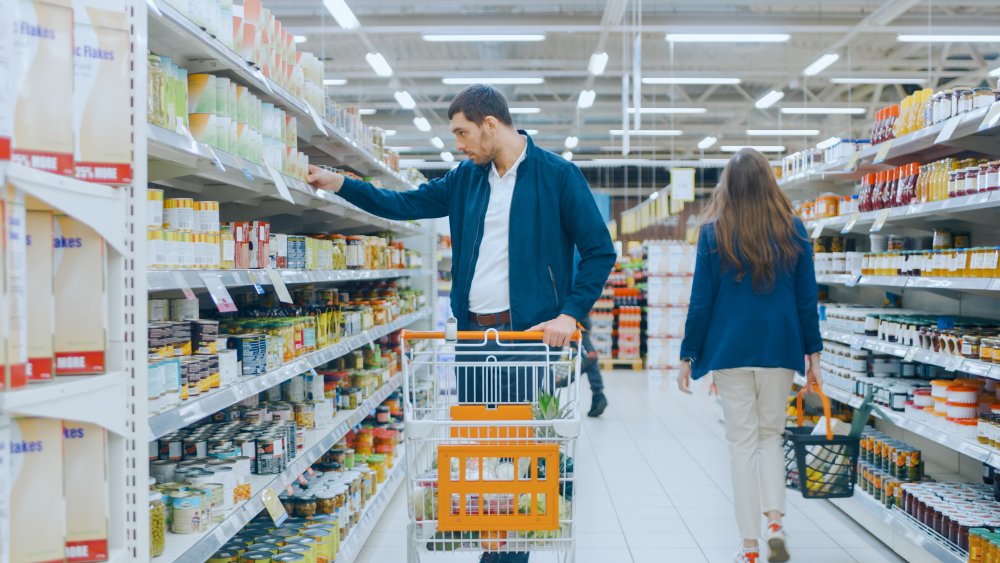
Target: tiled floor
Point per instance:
(653, 486)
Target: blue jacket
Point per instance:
(731, 326)
(551, 211)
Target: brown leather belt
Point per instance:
(490, 319)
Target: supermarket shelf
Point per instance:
(199, 547)
(100, 207)
(172, 34)
(921, 146)
(975, 208)
(833, 171)
(193, 410)
(99, 399)
(185, 164)
(167, 280)
(896, 530)
(907, 282)
(355, 542)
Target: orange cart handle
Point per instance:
(826, 406)
(479, 335)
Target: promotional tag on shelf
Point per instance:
(220, 295)
(883, 151)
(954, 363)
(289, 489)
(853, 161)
(818, 230)
(317, 120)
(853, 280)
(994, 285)
(915, 207)
(182, 284)
(279, 182)
(853, 220)
(248, 175)
(303, 481)
(857, 342)
(948, 131)
(260, 76)
(216, 160)
(310, 471)
(880, 220)
(910, 354)
(991, 118)
(252, 274)
(279, 285)
(274, 507)
(192, 142)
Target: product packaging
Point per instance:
(260, 250)
(81, 298)
(7, 66)
(102, 92)
(41, 295)
(279, 251)
(85, 477)
(241, 240)
(227, 248)
(36, 495)
(43, 79)
(14, 310)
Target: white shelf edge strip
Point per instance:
(166, 280)
(193, 410)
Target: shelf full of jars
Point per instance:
(906, 242)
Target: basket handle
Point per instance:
(826, 407)
(479, 335)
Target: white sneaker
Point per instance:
(747, 555)
(774, 535)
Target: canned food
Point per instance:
(187, 511)
(171, 448)
(224, 556)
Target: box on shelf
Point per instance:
(85, 478)
(13, 266)
(101, 91)
(670, 258)
(666, 320)
(81, 298)
(41, 295)
(260, 239)
(36, 495)
(241, 245)
(43, 79)
(668, 290)
(663, 351)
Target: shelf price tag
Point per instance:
(915, 207)
(994, 285)
(853, 161)
(182, 284)
(991, 118)
(317, 120)
(853, 280)
(220, 295)
(853, 220)
(883, 151)
(279, 285)
(260, 76)
(252, 274)
(953, 364)
(910, 354)
(880, 221)
(857, 342)
(818, 230)
(274, 507)
(948, 131)
(279, 182)
(247, 175)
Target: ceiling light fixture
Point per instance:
(389, 132)
(447, 156)
(567, 155)
(531, 132)
(598, 62)
(761, 148)
(689, 80)
(823, 145)
(995, 72)
(404, 99)
(903, 38)
(466, 80)
(342, 13)
(334, 81)
(707, 142)
(379, 64)
(422, 124)
(874, 80)
(586, 100)
(781, 132)
(821, 64)
(648, 132)
(437, 142)
(572, 142)
(515, 111)
(769, 99)
(300, 39)
(484, 38)
(366, 111)
(727, 37)
(668, 111)
(654, 195)
(822, 111)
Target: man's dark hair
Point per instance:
(479, 101)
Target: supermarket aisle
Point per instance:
(653, 486)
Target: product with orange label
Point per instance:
(41, 321)
(37, 504)
(43, 79)
(14, 312)
(81, 298)
(85, 478)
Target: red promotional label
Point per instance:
(18, 376)
(79, 363)
(104, 173)
(54, 162)
(4, 148)
(40, 369)
(86, 551)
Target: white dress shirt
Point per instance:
(490, 290)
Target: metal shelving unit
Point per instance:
(168, 280)
(355, 542)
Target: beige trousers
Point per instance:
(753, 403)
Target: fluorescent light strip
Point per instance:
(823, 111)
(484, 38)
(727, 37)
(873, 80)
(366, 111)
(761, 148)
(437, 142)
(571, 142)
(461, 81)
(648, 132)
(598, 62)
(634, 148)
(389, 132)
(447, 156)
(531, 132)
(654, 195)
(693, 80)
(707, 142)
(404, 99)
(667, 111)
(334, 81)
(903, 38)
(781, 132)
(567, 155)
(769, 99)
(422, 124)
(342, 13)
(300, 39)
(821, 64)
(379, 64)
(516, 111)
(586, 100)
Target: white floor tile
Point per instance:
(603, 555)
(670, 539)
(662, 555)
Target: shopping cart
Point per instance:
(490, 440)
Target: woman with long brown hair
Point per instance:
(753, 322)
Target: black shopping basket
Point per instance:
(825, 466)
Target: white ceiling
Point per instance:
(862, 32)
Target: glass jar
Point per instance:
(355, 252)
(157, 524)
(326, 503)
(983, 98)
(305, 506)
